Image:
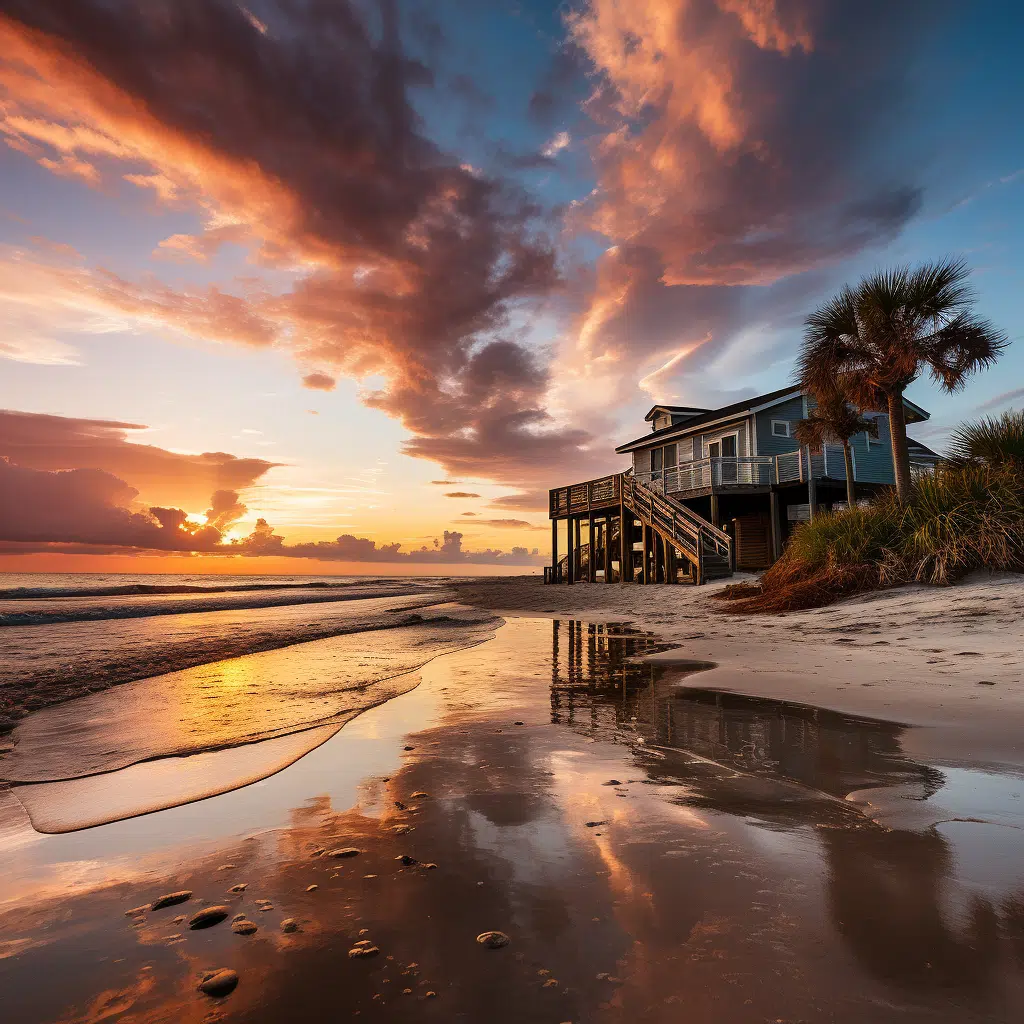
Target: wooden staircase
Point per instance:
(708, 549)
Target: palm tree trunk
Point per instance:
(898, 434)
(851, 487)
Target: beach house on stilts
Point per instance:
(711, 491)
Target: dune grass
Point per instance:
(969, 515)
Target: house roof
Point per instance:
(737, 409)
(916, 448)
(675, 410)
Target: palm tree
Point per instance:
(833, 421)
(879, 338)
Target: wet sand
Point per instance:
(682, 838)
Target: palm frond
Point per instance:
(965, 344)
(995, 440)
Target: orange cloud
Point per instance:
(407, 261)
(736, 146)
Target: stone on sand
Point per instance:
(312, 888)
(241, 887)
(219, 983)
(171, 899)
(289, 924)
(493, 940)
(244, 927)
(347, 851)
(208, 917)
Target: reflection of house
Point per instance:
(599, 688)
(711, 490)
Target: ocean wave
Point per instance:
(238, 701)
(133, 589)
(141, 601)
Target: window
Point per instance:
(657, 454)
(872, 433)
(780, 428)
(670, 456)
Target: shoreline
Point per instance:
(640, 834)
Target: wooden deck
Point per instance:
(670, 534)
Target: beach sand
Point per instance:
(699, 817)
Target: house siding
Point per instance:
(873, 462)
(738, 427)
(767, 442)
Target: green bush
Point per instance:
(968, 515)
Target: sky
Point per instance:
(323, 285)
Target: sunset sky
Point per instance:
(377, 272)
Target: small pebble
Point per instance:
(430, 995)
(420, 796)
(493, 940)
(612, 782)
(408, 748)
(135, 911)
(289, 925)
(594, 824)
(238, 917)
(219, 983)
(347, 851)
(244, 927)
(407, 860)
(227, 867)
(312, 888)
(266, 907)
(360, 952)
(550, 983)
(241, 887)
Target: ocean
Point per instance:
(170, 674)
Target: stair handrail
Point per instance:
(697, 534)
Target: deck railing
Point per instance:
(602, 492)
(712, 474)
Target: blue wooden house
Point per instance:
(713, 490)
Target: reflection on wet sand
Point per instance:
(722, 880)
(890, 891)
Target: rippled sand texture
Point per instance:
(657, 850)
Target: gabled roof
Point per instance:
(735, 411)
(675, 410)
(711, 416)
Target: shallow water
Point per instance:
(731, 873)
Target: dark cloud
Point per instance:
(92, 511)
(44, 442)
(304, 137)
(90, 506)
(461, 494)
(347, 548)
(559, 89)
